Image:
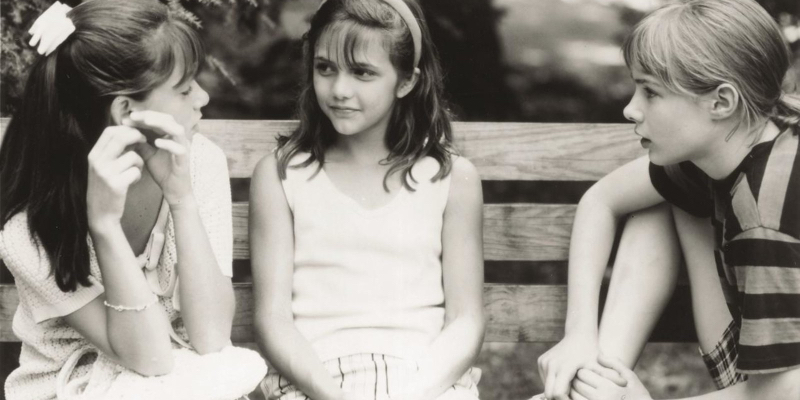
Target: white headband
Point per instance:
(52, 28)
(411, 22)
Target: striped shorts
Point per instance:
(373, 376)
(721, 361)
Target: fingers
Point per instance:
(163, 124)
(170, 146)
(576, 396)
(582, 388)
(113, 142)
(607, 373)
(129, 176)
(562, 383)
(616, 365)
(128, 160)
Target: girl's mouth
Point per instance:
(645, 142)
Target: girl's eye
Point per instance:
(187, 91)
(650, 93)
(323, 68)
(363, 73)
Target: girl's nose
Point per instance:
(342, 87)
(201, 100)
(632, 113)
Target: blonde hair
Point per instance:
(695, 46)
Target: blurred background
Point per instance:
(505, 60)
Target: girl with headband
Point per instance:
(365, 227)
(724, 154)
(106, 186)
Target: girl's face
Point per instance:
(674, 127)
(357, 99)
(181, 100)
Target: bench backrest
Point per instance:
(523, 234)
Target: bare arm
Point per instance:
(283, 345)
(138, 340)
(206, 295)
(454, 350)
(625, 190)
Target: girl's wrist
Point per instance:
(104, 226)
(182, 203)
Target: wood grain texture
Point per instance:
(500, 151)
(515, 313)
(512, 232)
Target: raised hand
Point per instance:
(167, 159)
(113, 167)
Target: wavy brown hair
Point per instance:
(420, 122)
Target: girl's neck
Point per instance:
(362, 148)
(729, 154)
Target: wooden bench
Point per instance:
(526, 232)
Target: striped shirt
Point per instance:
(756, 216)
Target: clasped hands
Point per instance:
(607, 379)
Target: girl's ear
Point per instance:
(724, 101)
(121, 107)
(407, 84)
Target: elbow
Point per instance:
(154, 366)
(211, 343)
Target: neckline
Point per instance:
(355, 205)
(728, 181)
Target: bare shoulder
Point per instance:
(463, 169)
(266, 168)
(465, 182)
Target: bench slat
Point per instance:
(501, 151)
(515, 313)
(512, 232)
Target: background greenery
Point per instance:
(505, 60)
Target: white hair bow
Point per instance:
(52, 28)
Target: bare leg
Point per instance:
(645, 270)
(711, 314)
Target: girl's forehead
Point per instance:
(351, 44)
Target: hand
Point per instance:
(594, 383)
(113, 167)
(168, 161)
(557, 366)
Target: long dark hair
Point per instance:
(119, 47)
(420, 122)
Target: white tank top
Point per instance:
(367, 280)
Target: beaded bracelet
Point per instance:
(125, 308)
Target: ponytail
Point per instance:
(119, 47)
(43, 168)
(786, 113)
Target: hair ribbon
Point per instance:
(52, 28)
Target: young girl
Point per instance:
(96, 214)
(365, 229)
(723, 145)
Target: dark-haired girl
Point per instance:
(115, 211)
(365, 227)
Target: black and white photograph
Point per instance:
(399, 199)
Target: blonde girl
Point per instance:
(365, 228)
(722, 142)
